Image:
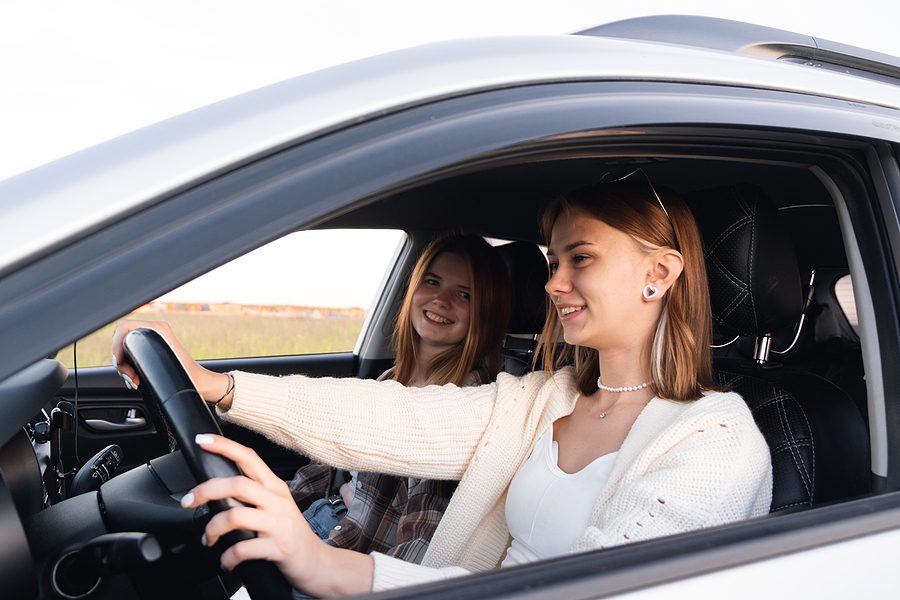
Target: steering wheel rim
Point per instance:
(173, 393)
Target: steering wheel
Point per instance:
(173, 393)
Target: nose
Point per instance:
(559, 282)
(442, 297)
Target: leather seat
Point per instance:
(815, 431)
(527, 268)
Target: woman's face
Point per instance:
(440, 305)
(597, 274)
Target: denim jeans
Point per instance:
(322, 515)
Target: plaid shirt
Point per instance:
(392, 515)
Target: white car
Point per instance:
(786, 148)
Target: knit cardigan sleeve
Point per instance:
(366, 425)
(391, 573)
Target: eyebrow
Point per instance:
(572, 246)
(436, 276)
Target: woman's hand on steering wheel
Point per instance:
(283, 536)
(209, 384)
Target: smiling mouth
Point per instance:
(568, 310)
(436, 318)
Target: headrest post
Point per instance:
(761, 351)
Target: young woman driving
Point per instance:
(634, 438)
(449, 329)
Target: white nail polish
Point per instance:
(203, 540)
(115, 363)
(202, 439)
(128, 382)
(187, 500)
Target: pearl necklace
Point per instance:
(618, 390)
(624, 388)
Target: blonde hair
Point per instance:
(680, 357)
(489, 308)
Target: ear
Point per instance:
(666, 266)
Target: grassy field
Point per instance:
(223, 336)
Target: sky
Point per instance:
(77, 73)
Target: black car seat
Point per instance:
(828, 344)
(528, 273)
(816, 434)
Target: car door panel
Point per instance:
(108, 413)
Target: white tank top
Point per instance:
(547, 509)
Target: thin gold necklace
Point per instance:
(602, 414)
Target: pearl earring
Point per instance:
(649, 292)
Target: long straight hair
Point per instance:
(680, 356)
(489, 308)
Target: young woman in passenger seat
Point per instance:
(631, 443)
(449, 330)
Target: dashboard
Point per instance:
(131, 535)
(21, 487)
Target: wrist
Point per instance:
(344, 572)
(224, 401)
(217, 389)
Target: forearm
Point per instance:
(341, 573)
(364, 425)
(213, 387)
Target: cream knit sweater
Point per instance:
(682, 466)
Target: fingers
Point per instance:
(270, 514)
(254, 549)
(259, 487)
(209, 384)
(239, 488)
(119, 358)
(283, 536)
(129, 376)
(266, 523)
(246, 458)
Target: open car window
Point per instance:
(281, 299)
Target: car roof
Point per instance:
(755, 40)
(51, 205)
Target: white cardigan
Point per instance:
(683, 465)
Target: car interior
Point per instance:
(775, 251)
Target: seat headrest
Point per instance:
(528, 273)
(754, 280)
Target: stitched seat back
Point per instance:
(815, 432)
(786, 428)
